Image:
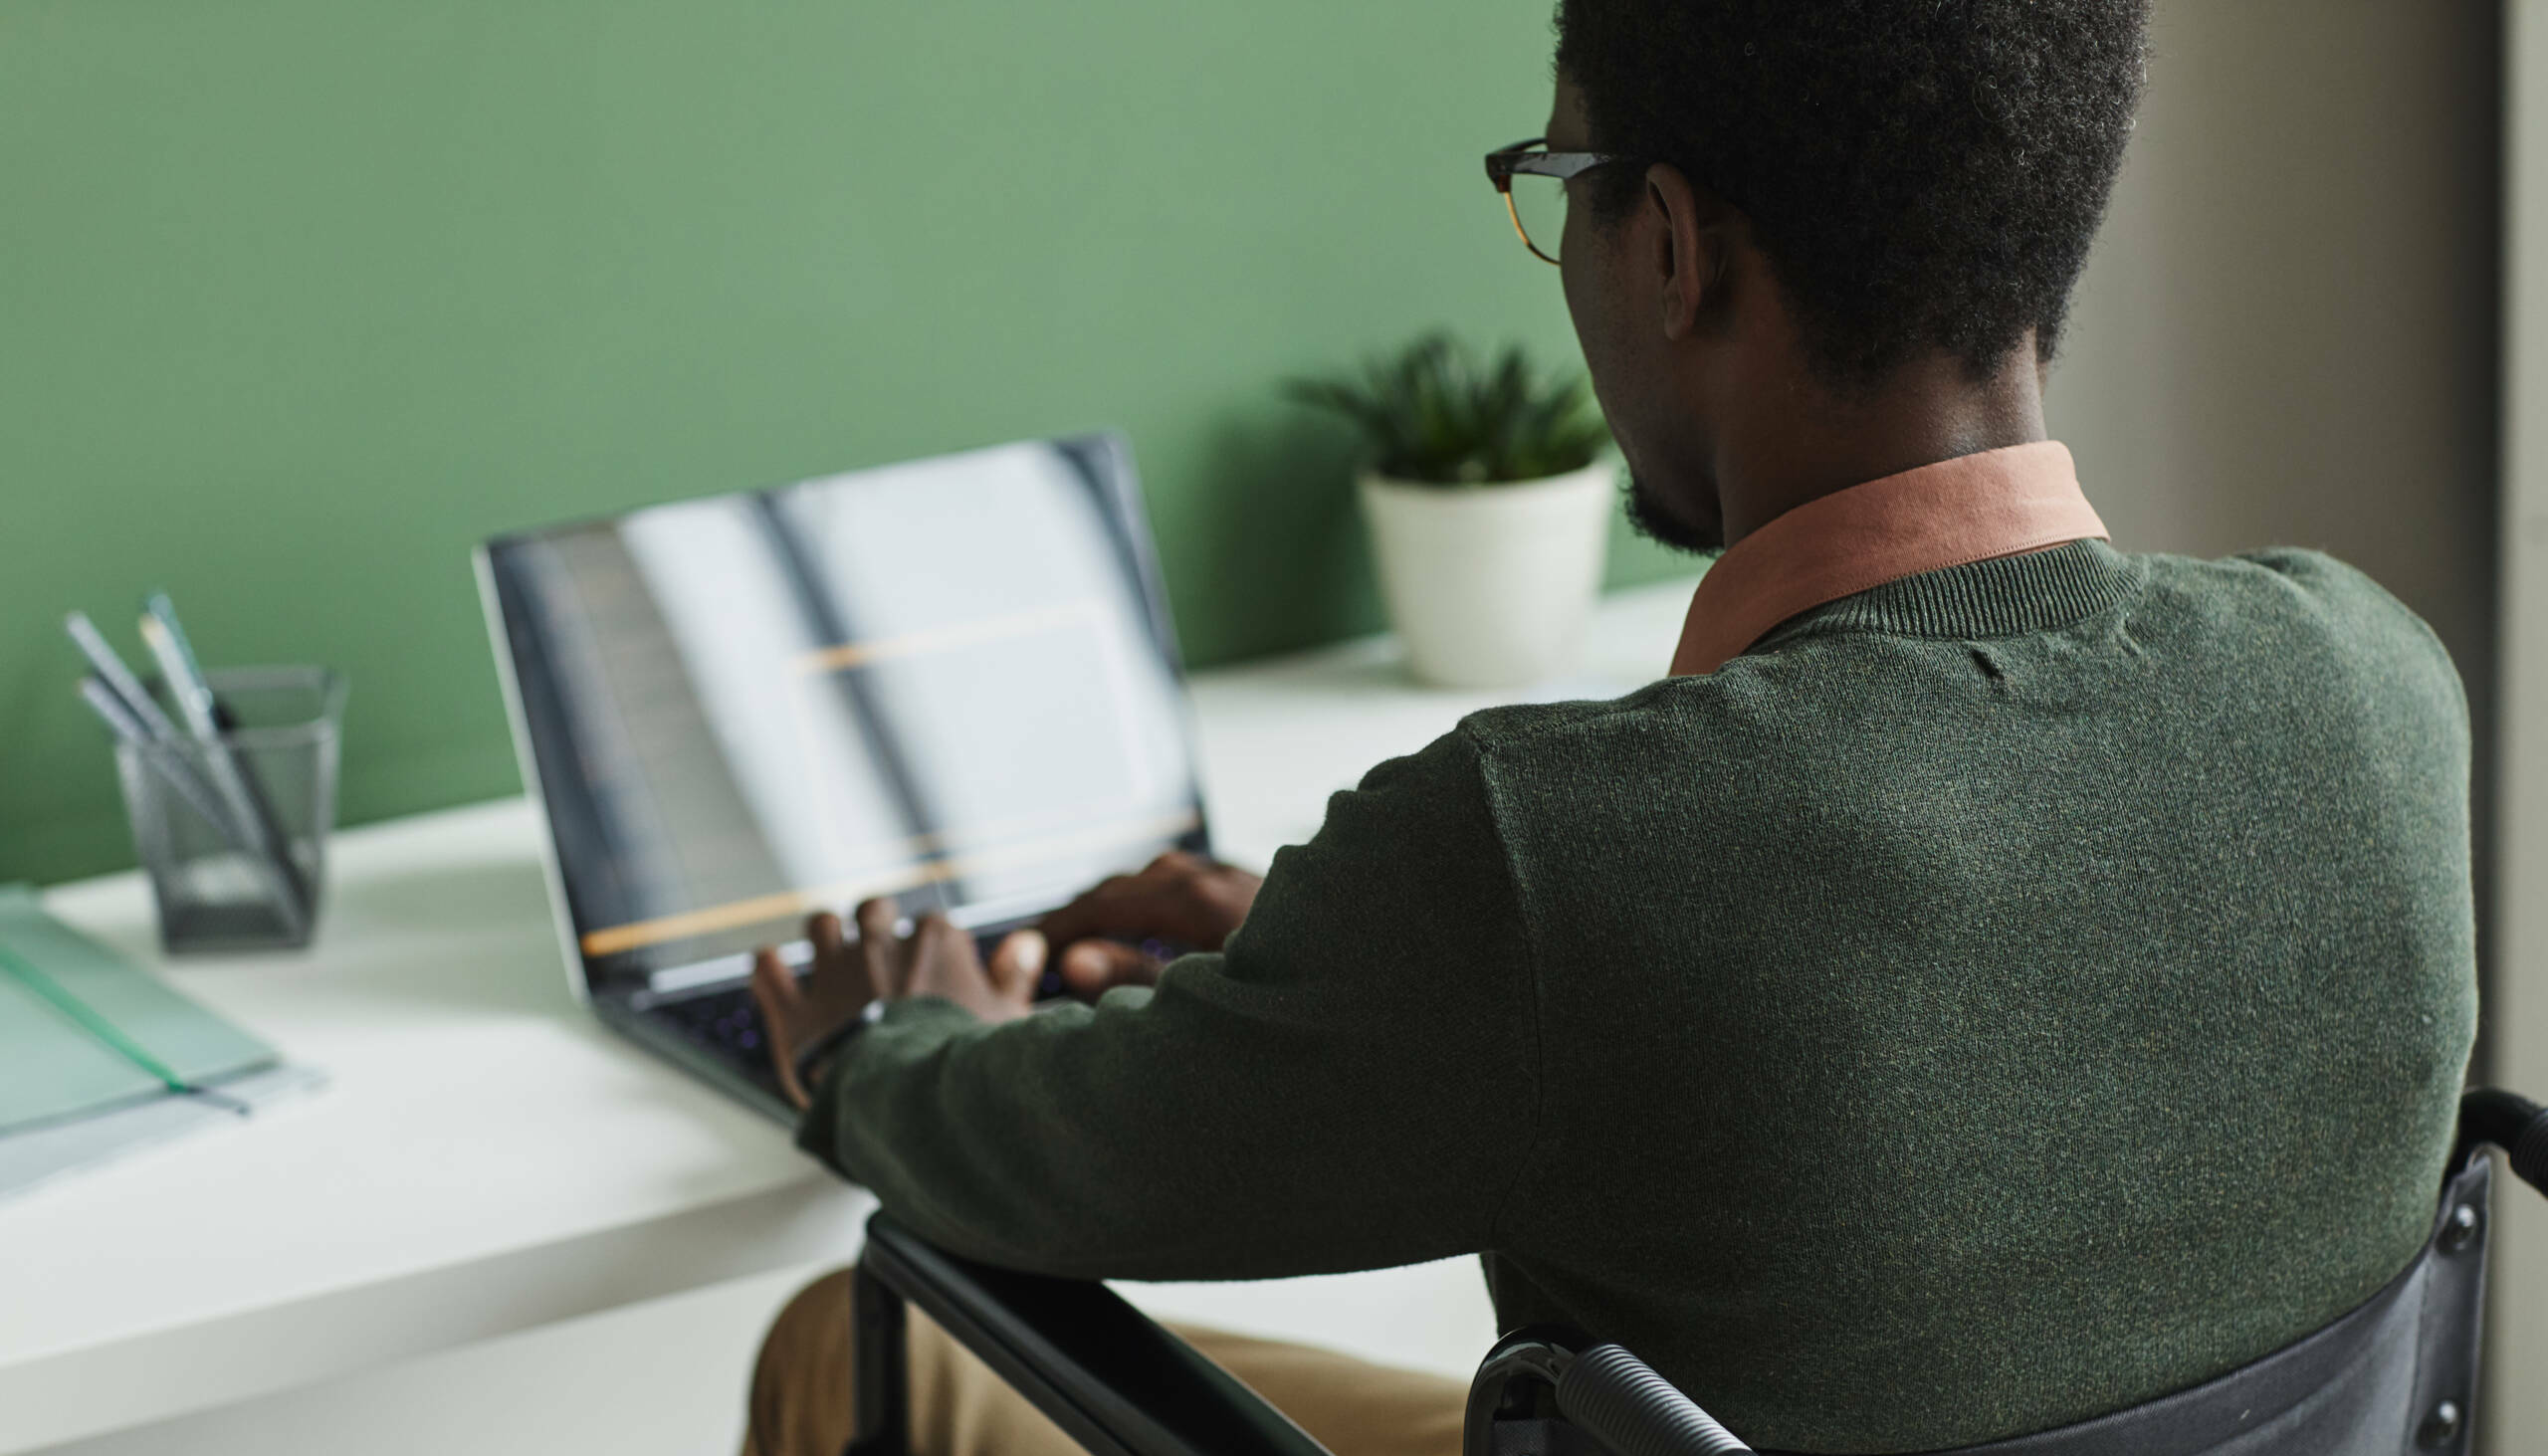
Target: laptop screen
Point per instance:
(952, 681)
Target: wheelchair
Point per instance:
(2395, 1376)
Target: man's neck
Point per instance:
(1821, 442)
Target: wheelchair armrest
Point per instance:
(1110, 1378)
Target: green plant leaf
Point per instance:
(1434, 413)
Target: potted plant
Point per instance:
(1489, 494)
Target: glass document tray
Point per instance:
(54, 1069)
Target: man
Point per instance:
(1997, 982)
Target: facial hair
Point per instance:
(1660, 521)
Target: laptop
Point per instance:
(952, 681)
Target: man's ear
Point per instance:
(1690, 247)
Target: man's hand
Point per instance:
(935, 960)
(1179, 898)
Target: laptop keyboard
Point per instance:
(729, 1020)
(726, 1023)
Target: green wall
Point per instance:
(300, 298)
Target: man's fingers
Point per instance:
(1091, 968)
(1018, 964)
(1181, 899)
(877, 918)
(1125, 905)
(828, 934)
(771, 974)
(880, 949)
(944, 960)
(774, 990)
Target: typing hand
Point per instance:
(1177, 898)
(935, 960)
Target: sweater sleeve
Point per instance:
(1349, 1085)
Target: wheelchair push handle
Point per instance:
(1620, 1401)
(1536, 1394)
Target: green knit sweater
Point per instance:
(1999, 998)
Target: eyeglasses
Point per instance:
(1532, 182)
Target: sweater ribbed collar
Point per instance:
(1981, 508)
(2001, 598)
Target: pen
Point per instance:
(118, 715)
(267, 848)
(117, 678)
(128, 693)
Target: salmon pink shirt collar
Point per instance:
(2000, 503)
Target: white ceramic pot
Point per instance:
(1490, 585)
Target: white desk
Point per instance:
(489, 1162)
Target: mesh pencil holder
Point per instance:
(234, 834)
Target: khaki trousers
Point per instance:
(800, 1398)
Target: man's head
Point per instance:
(1828, 215)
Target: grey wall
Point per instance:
(2517, 1305)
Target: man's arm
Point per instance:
(1349, 1084)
